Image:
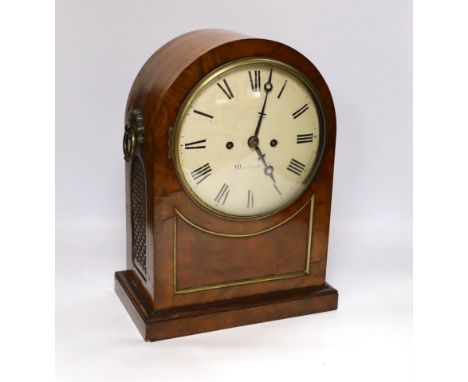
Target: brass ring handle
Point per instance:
(133, 135)
(129, 143)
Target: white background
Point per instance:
(363, 49)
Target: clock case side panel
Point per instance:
(141, 274)
(146, 95)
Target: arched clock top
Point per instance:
(163, 86)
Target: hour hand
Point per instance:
(268, 169)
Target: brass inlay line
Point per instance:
(214, 233)
(241, 282)
(283, 276)
(309, 234)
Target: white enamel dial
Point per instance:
(248, 139)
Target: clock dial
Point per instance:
(249, 138)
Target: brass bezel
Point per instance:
(198, 88)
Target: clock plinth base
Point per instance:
(177, 322)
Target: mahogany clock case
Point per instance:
(189, 271)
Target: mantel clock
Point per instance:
(229, 147)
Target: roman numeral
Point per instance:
(296, 167)
(300, 111)
(250, 199)
(201, 173)
(196, 145)
(222, 194)
(226, 90)
(282, 89)
(305, 138)
(203, 114)
(255, 82)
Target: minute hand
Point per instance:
(268, 87)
